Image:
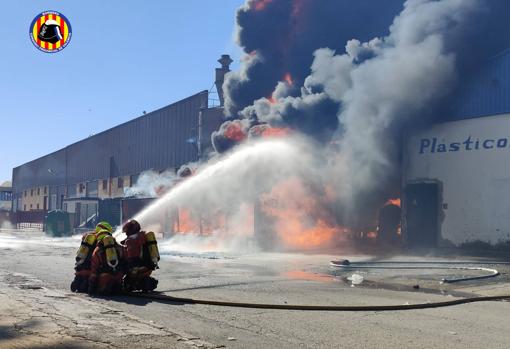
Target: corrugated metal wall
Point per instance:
(49, 170)
(211, 120)
(487, 93)
(158, 140)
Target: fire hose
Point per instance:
(179, 300)
(441, 265)
(356, 265)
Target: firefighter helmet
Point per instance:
(131, 227)
(103, 226)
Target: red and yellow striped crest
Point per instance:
(50, 31)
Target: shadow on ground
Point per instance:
(21, 336)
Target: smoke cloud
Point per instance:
(280, 36)
(346, 77)
(239, 186)
(362, 95)
(5, 225)
(238, 178)
(151, 184)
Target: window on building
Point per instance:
(25, 193)
(105, 184)
(45, 190)
(37, 206)
(30, 206)
(24, 207)
(31, 192)
(38, 191)
(81, 188)
(92, 189)
(133, 179)
(71, 191)
(120, 182)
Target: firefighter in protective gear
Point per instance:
(106, 265)
(142, 257)
(84, 255)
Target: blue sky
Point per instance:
(124, 57)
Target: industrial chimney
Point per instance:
(225, 61)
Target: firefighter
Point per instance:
(84, 255)
(106, 265)
(142, 257)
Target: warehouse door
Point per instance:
(422, 214)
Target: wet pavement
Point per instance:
(290, 278)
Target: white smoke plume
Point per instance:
(150, 184)
(378, 86)
(375, 89)
(6, 225)
(231, 186)
(239, 177)
(408, 71)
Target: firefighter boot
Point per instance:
(80, 284)
(149, 284)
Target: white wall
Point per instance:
(475, 182)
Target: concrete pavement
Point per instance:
(29, 260)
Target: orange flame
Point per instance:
(185, 223)
(275, 132)
(288, 79)
(395, 202)
(234, 131)
(213, 223)
(371, 235)
(266, 131)
(259, 5)
(300, 220)
(207, 223)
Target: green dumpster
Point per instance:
(56, 223)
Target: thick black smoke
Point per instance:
(359, 72)
(280, 36)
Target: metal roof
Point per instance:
(158, 140)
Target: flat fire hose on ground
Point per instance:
(170, 299)
(346, 264)
(428, 265)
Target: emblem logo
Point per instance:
(50, 31)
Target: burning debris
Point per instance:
(303, 219)
(315, 114)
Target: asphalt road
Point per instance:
(29, 260)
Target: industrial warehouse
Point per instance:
(456, 174)
(449, 169)
(88, 178)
